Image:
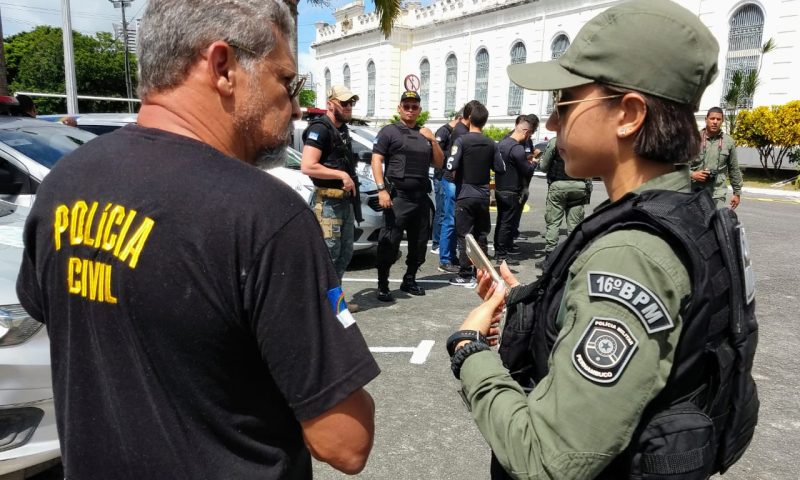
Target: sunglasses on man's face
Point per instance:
(410, 106)
(293, 87)
(349, 103)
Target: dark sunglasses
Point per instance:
(410, 106)
(349, 103)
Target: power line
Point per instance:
(55, 11)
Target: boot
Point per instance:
(409, 285)
(384, 295)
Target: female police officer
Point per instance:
(605, 361)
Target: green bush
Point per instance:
(496, 133)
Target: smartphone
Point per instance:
(480, 260)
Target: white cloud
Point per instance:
(306, 62)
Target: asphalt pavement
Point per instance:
(423, 430)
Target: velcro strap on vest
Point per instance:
(676, 463)
(329, 193)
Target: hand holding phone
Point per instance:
(480, 260)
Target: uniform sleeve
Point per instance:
(442, 137)
(383, 141)
(499, 164)
(734, 172)
(317, 136)
(606, 366)
(547, 157)
(310, 343)
(520, 158)
(454, 160)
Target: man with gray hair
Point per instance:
(197, 325)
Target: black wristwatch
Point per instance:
(380, 186)
(461, 335)
(457, 360)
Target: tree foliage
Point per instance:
(307, 98)
(421, 120)
(773, 131)
(35, 62)
(496, 133)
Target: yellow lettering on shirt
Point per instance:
(107, 231)
(60, 224)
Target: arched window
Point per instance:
(482, 75)
(370, 88)
(744, 48)
(558, 47)
(424, 83)
(327, 82)
(518, 55)
(346, 75)
(451, 76)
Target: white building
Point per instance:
(460, 49)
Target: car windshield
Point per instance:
(45, 144)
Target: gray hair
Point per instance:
(173, 32)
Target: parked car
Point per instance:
(97, 123)
(28, 436)
(28, 149)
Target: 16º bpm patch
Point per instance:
(336, 298)
(639, 299)
(604, 350)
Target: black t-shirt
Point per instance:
(319, 137)
(458, 130)
(189, 298)
(518, 169)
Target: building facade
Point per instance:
(460, 50)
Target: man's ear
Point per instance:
(221, 67)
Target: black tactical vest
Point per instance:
(477, 158)
(510, 179)
(412, 159)
(557, 171)
(703, 420)
(341, 156)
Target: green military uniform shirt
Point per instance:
(718, 154)
(571, 425)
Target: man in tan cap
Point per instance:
(641, 328)
(328, 159)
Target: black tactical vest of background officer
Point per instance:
(557, 171)
(511, 179)
(476, 160)
(412, 160)
(704, 419)
(341, 156)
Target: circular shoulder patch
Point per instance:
(604, 350)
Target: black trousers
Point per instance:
(410, 213)
(472, 216)
(508, 210)
(525, 195)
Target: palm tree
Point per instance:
(743, 88)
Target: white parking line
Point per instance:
(391, 280)
(419, 354)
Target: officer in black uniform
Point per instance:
(472, 157)
(509, 187)
(408, 151)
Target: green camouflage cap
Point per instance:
(651, 46)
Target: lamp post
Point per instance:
(121, 4)
(69, 60)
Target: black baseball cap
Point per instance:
(410, 95)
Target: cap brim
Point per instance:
(544, 76)
(345, 98)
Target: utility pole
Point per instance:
(69, 59)
(128, 87)
(3, 72)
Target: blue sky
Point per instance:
(89, 16)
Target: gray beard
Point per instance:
(271, 157)
(275, 156)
